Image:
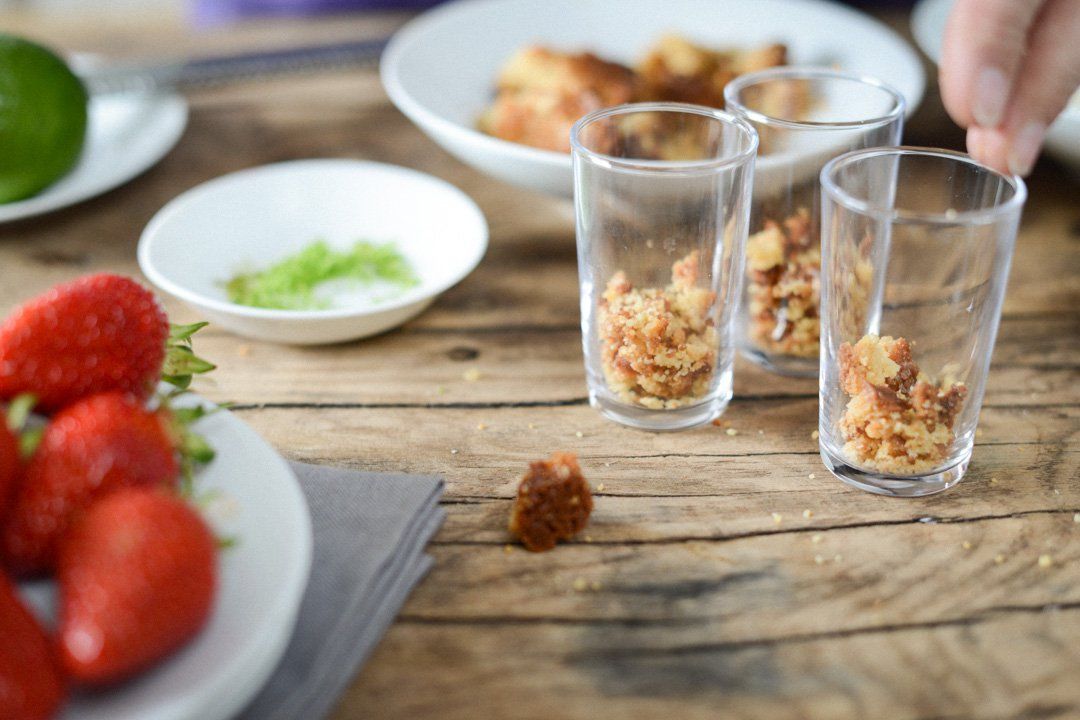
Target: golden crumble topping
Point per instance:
(676, 69)
(783, 266)
(896, 420)
(542, 93)
(658, 345)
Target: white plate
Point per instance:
(253, 218)
(928, 22)
(126, 135)
(262, 580)
(440, 69)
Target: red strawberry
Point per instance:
(30, 684)
(137, 576)
(94, 447)
(95, 334)
(10, 466)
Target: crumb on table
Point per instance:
(553, 503)
(659, 345)
(896, 420)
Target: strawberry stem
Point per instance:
(181, 362)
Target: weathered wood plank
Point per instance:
(767, 587)
(1034, 363)
(998, 665)
(489, 460)
(740, 501)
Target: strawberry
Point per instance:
(31, 687)
(95, 334)
(96, 446)
(137, 576)
(10, 466)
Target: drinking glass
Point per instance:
(916, 249)
(804, 117)
(662, 200)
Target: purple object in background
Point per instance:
(208, 12)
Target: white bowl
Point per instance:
(255, 217)
(440, 69)
(928, 22)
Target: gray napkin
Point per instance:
(370, 531)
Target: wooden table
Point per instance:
(698, 604)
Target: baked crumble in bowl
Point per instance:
(440, 68)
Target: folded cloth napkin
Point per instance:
(370, 531)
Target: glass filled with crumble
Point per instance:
(662, 199)
(916, 246)
(804, 117)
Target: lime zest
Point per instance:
(291, 283)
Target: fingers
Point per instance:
(1049, 74)
(983, 50)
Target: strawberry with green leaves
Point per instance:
(137, 574)
(31, 686)
(96, 446)
(96, 334)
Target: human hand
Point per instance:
(1007, 69)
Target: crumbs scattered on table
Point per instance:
(999, 559)
(815, 435)
(811, 476)
(579, 434)
(453, 451)
(508, 548)
(966, 544)
(818, 559)
(581, 584)
(993, 481)
(471, 375)
(532, 426)
(777, 518)
(440, 390)
(808, 514)
(815, 539)
(243, 350)
(1076, 518)
(481, 426)
(600, 487)
(732, 431)
(1045, 561)
(837, 558)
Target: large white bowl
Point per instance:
(928, 22)
(261, 215)
(440, 69)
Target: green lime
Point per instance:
(42, 118)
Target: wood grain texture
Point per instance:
(698, 602)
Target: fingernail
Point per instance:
(991, 89)
(1025, 148)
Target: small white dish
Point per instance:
(440, 69)
(255, 217)
(262, 579)
(928, 21)
(126, 135)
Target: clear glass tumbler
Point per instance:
(662, 197)
(804, 117)
(916, 249)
